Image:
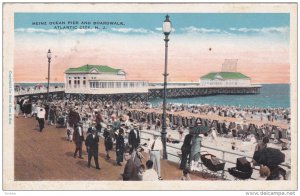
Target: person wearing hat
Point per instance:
(185, 150)
(134, 137)
(195, 150)
(155, 148)
(120, 145)
(78, 139)
(73, 119)
(108, 143)
(41, 114)
(91, 143)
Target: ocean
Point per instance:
(271, 95)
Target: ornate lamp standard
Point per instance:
(49, 55)
(167, 28)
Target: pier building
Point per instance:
(101, 79)
(107, 83)
(227, 77)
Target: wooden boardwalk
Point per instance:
(48, 156)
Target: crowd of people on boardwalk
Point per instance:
(119, 123)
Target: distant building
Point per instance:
(228, 77)
(101, 79)
(225, 79)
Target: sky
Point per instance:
(134, 42)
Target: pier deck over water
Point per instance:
(151, 92)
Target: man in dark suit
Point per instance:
(131, 170)
(78, 139)
(120, 145)
(73, 119)
(134, 137)
(185, 150)
(91, 143)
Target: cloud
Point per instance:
(131, 30)
(262, 30)
(33, 30)
(192, 29)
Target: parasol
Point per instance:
(269, 157)
(200, 129)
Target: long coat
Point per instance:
(76, 136)
(195, 149)
(120, 145)
(134, 139)
(107, 140)
(185, 150)
(74, 118)
(92, 143)
(130, 171)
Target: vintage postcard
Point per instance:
(148, 96)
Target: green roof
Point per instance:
(224, 75)
(87, 68)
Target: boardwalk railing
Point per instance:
(221, 153)
(38, 91)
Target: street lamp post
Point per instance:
(49, 55)
(167, 27)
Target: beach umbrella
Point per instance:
(269, 157)
(200, 129)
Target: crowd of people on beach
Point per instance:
(245, 113)
(120, 123)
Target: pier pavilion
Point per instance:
(107, 83)
(225, 79)
(95, 81)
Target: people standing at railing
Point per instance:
(155, 152)
(195, 151)
(186, 150)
